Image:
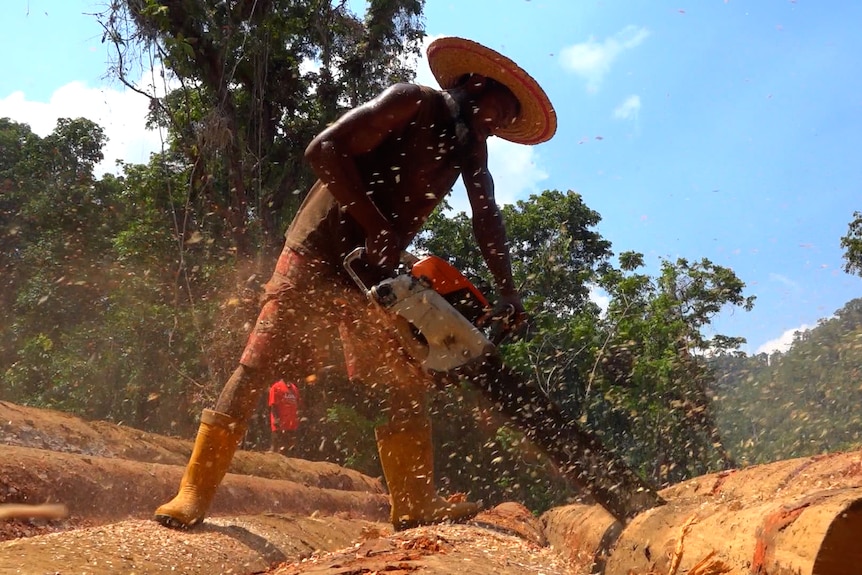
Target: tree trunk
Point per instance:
(800, 516)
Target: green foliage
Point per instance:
(256, 81)
(650, 376)
(352, 436)
(798, 403)
(852, 245)
(105, 309)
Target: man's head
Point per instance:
(495, 80)
(494, 106)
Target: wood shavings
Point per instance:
(709, 565)
(676, 557)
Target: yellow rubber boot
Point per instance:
(407, 458)
(217, 440)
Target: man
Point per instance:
(383, 168)
(283, 416)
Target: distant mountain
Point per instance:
(805, 401)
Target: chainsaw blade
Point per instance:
(578, 453)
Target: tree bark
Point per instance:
(800, 516)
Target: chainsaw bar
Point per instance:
(578, 454)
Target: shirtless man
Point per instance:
(383, 168)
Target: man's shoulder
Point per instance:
(408, 90)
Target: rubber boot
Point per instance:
(217, 440)
(407, 458)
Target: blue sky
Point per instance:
(722, 129)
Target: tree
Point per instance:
(634, 373)
(257, 80)
(103, 315)
(652, 364)
(50, 200)
(800, 402)
(852, 244)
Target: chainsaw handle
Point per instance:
(358, 254)
(499, 323)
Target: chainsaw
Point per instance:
(437, 312)
(437, 309)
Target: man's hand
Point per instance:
(507, 317)
(383, 249)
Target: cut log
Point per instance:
(584, 533)
(800, 516)
(108, 489)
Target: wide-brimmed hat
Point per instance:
(451, 58)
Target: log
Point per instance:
(584, 533)
(801, 516)
(109, 489)
(48, 511)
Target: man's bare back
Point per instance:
(384, 166)
(415, 160)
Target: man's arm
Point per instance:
(488, 226)
(332, 157)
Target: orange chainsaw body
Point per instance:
(450, 283)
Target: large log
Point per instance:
(51, 430)
(800, 517)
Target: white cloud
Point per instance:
(120, 112)
(599, 297)
(782, 343)
(592, 59)
(629, 109)
(515, 170)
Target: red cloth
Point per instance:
(284, 406)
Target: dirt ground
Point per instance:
(272, 514)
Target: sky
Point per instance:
(719, 129)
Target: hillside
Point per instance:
(798, 403)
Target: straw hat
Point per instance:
(450, 58)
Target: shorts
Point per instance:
(308, 309)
